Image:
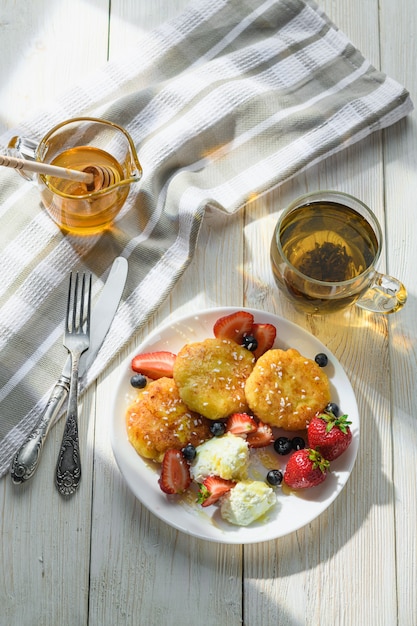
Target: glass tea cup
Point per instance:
(78, 144)
(324, 253)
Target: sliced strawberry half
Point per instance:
(263, 436)
(265, 336)
(154, 364)
(175, 472)
(241, 424)
(213, 488)
(234, 326)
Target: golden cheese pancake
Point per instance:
(211, 377)
(158, 419)
(286, 389)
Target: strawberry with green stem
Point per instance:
(306, 468)
(330, 435)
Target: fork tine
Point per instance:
(74, 304)
(88, 317)
(67, 315)
(84, 319)
(81, 322)
(78, 311)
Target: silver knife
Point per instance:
(27, 457)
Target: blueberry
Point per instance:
(138, 381)
(332, 407)
(274, 477)
(282, 445)
(321, 359)
(189, 452)
(298, 443)
(249, 342)
(217, 429)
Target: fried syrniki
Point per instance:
(158, 420)
(287, 389)
(211, 377)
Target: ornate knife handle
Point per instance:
(27, 458)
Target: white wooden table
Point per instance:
(102, 558)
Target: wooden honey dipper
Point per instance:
(94, 176)
(102, 177)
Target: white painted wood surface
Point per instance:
(102, 559)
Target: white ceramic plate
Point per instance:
(292, 511)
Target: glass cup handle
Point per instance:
(24, 148)
(385, 295)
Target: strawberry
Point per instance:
(175, 472)
(330, 435)
(305, 468)
(154, 364)
(261, 437)
(213, 488)
(241, 424)
(265, 336)
(234, 326)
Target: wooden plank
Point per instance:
(301, 579)
(398, 28)
(139, 565)
(298, 579)
(45, 546)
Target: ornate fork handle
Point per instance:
(68, 468)
(77, 341)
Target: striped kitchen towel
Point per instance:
(226, 101)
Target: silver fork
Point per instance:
(77, 341)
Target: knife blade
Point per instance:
(26, 460)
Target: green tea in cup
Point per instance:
(324, 254)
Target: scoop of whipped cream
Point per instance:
(247, 502)
(226, 456)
